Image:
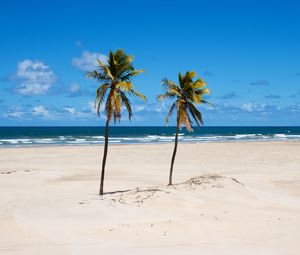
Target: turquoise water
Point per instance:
(27, 136)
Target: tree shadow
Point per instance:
(116, 192)
(134, 191)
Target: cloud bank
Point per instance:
(33, 78)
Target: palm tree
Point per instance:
(187, 94)
(115, 77)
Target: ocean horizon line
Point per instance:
(161, 126)
(72, 135)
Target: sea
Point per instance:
(41, 136)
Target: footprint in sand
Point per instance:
(15, 171)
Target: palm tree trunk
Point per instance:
(104, 157)
(174, 154)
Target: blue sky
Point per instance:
(248, 52)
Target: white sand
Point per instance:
(247, 203)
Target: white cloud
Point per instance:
(88, 61)
(247, 107)
(250, 107)
(92, 106)
(16, 113)
(83, 113)
(70, 110)
(260, 107)
(35, 77)
(74, 87)
(138, 108)
(158, 110)
(42, 112)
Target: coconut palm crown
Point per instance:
(115, 77)
(187, 94)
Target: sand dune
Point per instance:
(229, 198)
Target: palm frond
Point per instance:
(97, 75)
(100, 94)
(108, 72)
(200, 83)
(205, 102)
(196, 114)
(136, 72)
(184, 118)
(102, 88)
(167, 84)
(127, 104)
(141, 96)
(170, 112)
(189, 75)
(196, 99)
(117, 103)
(166, 95)
(124, 85)
(186, 80)
(202, 92)
(127, 76)
(180, 79)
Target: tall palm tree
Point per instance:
(115, 77)
(187, 94)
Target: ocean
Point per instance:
(31, 136)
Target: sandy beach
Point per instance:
(243, 198)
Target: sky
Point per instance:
(248, 52)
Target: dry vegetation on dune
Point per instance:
(140, 196)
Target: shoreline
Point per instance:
(144, 143)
